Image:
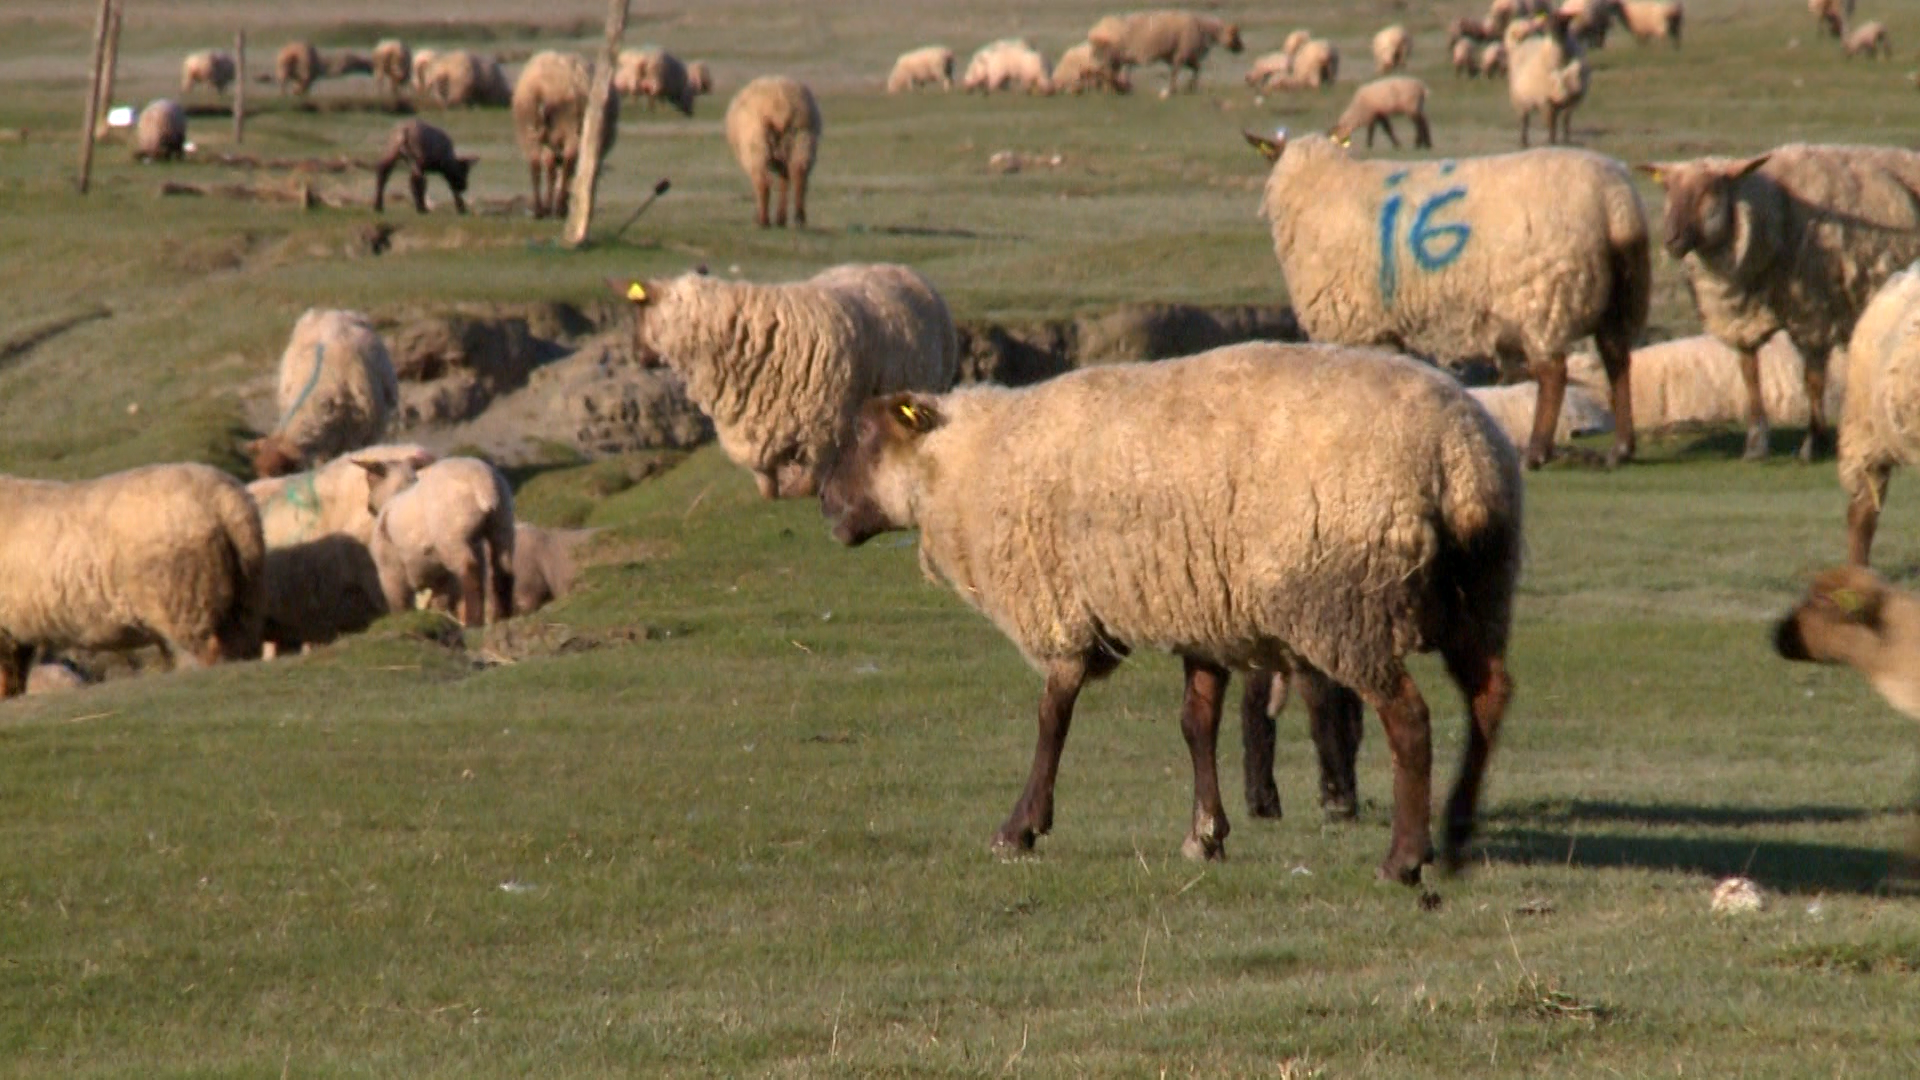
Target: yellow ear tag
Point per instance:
(637, 292)
(910, 414)
(1849, 601)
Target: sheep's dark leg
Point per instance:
(1386, 125)
(500, 576)
(1032, 815)
(797, 179)
(14, 662)
(1756, 406)
(780, 201)
(1526, 119)
(380, 173)
(1616, 354)
(1422, 134)
(1819, 434)
(1200, 723)
(761, 186)
(533, 170)
(1256, 744)
(1334, 718)
(1410, 737)
(1863, 512)
(417, 181)
(1551, 375)
(1483, 679)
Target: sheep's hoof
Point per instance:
(1264, 804)
(1756, 445)
(1207, 849)
(1340, 808)
(1010, 842)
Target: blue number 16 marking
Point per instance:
(1434, 246)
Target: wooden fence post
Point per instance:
(587, 175)
(111, 66)
(93, 93)
(239, 86)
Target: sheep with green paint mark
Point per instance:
(328, 500)
(337, 393)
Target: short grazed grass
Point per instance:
(732, 820)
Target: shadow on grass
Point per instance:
(1780, 865)
(1683, 444)
(1560, 811)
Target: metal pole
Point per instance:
(587, 176)
(93, 93)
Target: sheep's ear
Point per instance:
(916, 414)
(1748, 166)
(376, 470)
(1268, 148)
(632, 288)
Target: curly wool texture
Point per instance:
(1095, 510)
(1696, 380)
(167, 555)
(1880, 419)
(213, 66)
(1523, 274)
(782, 369)
(337, 388)
(924, 66)
(1391, 47)
(327, 500)
(161, 133)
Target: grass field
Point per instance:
(724, 811)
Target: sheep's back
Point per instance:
(337, 389)
(773, 118)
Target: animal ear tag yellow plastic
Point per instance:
(637, 293)
(1849, 601)
(910, 414)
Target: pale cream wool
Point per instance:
(1096, 510)
(166, 555)
(1584, 412)
(1079, 71)
(1544, 76)
(550, 107)
(464, 78)
(924, 66)
(655, 74)
(1391, 48)
(774, 127)
(1869, 39)
(337, 391)
(214, 67)
(700, 77)
(1008, 64)
(452, 515)
(161, 132)
(1880, 419)
(1493, 60)
(1267, 67)
(423, 61)
(392, 65)
(1395, 95)
(328, 500)
(1696, 380)
(1179, 39)
(1466, 61)
(296, 66)
(1317, 64)
(1651, 20)
(782, 369)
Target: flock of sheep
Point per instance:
(1096, 513)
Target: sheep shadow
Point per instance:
(1670, 814)
(1693, 442)
(1784, 866)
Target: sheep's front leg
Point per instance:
(1819, 434)
(1200, 723)
(1386, 125)
(1526, 120)
(1334, 718)
(1551, 375)
(1403, 712)
(797, 180)
(1756, 406)
(417, 183)
(762, 187)
(1032, 815)
(1863, 512)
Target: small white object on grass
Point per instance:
(1737, 896)
(120, 116)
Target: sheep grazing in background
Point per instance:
(446, 529)
(654, 75)
(1832, 15)
(166, 555)
(1467, 28)
(773, 127)
(161, 133)
(320, 589)
(1268, 69)
(924, 66)
(1376, 102)
(392, 66)
(545, 564)
(425, 149)
(1080, 72)
(213, 67)
(1544, 75)
(422, 61)
(1493, 60)
(1880, 421)
(782, 369)
(1650, 20)
(1391, 47)
(1850, 616)
(1314, 65)
(700, 77)
(549, 108)
(1466, 258)
(1466, 59)
(1569, 89)
(1797, 239)
(1696, 380)
(463, 79)
(1869, 39)
(1582, 412)
(1179, 39)
(296, 66)
(329, 500)
(1008, 64)
(1040, 507)
(337, 392)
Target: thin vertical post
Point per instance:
(93, 93)
(111, 66)
(586, 178)
(239, 86)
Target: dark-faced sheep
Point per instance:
(773, 127)
(549, 108)
(425, 149)
(1094, 513)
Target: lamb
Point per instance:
(337, 392)
(1079, 72)
(425, 149)
(166, 555)
(1039, 506)
(773, 126)
(1493, 60)
(320, 589)
(463, 78)
(922, 67)
(447, 529)
(1851, 616)
(1007, 64)
(1179, 39)
(1696, 380)
(545, 564)
(54, 677)
(656, 75)
(161, 133)
(1878, 423)
(1451, 259)
(1869, 39)
(782, 369)
(1391, 47)
(1313, 66)
(392, 66)
(1647, 20)
(1376, 102)
(296, 66)
(1797, 239)
(214, 67)
(549, 107)
(330, 500)
(1466, 59)
(1833, 15)
(1583, 412)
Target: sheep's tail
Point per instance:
(1630, 266)
(244, 551)
(1479, 536)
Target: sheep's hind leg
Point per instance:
(1863, 513)
(1551, 376)
(1257, 718)
(1616, 355)
(1483, 679)
(1200, 723)
(798, 181)
(1819, 433)
(14, 664)
(761, 188)
(1757, 430)
(1334, 718)
(1403, 712)
(1032, 815)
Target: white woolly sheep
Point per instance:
(924, 66)
(1832, 15)
(425, 149)
(328, 500)
(773, 128)
(1880, 421)
(1464, 258)
(1466, 59)
(161, 133)
(1079, 72)
(214, 67)
(1696, 380)
(781, 369)
(337, 392)
(1648, 20)
(166, 555)
(1040, 506)
(319, 589)
(1295, 40)
(549, 109)
(1582, 412)
(1266, 68)
(1542, 77)
(1797, 239)
(392, 66)
(1178, 39)
(1869, 39)
(1391, 47)
(654, 75)
(463, 78)
(1008, 64)
(1569, 89)
(447, 529)
(422, 60)
(1313, 66)
(1375, 103)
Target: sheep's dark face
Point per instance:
(1701, 198)
(456, 173)
(1230, 37)
(866, 492)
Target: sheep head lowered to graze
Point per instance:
(1095, 512)
(1850, 616)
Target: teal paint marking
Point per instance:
(1434, 245)
(1389, 225)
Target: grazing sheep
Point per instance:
(54, 677)
(1040, 506)
(462, 79)
(773, 126)
(922, 67)
(1466, 258)
(425, 149)
(1376, 102)
(1315, 65)
(1696, 380)
(1179, 39)
(1850, 616)
(655, 75)
(1008, 64)
(1833, 15)
(1648, 20)
(1296, 40)
(166, 555)
(1466, 59)
(330, 499)
(1880, 420)
(319, 589)
(214, 67)
(1869, 39)
(392, 66)
(446, 529)
(545, 564)
(1583, 412)
(1391, 47)
(1493, 60)
(1265, 70)
(337, 392)
(1588, 20)
(1796, 239)
(1569, 89)
(296, 66)
(700, 77)
(422, 60)
(161, 133)
(549, 107)
(1079, 72)
(1543, 75)
(782, 369)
